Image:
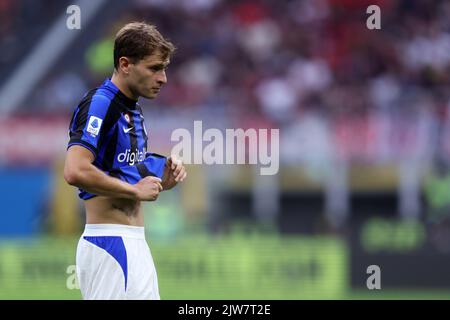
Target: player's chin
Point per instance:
(149, 95)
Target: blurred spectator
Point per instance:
(280, 61)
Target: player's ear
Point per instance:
(124, 64)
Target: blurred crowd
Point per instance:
(315, 66)
(299, 65)
(22, 24)
(336, 89)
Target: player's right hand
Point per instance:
(148, 188)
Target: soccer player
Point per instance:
(107, 160)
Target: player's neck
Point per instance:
(119, 83)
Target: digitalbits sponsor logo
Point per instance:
(212, 146)
(132, 157)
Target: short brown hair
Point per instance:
(139, 39)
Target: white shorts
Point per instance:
(115, 262)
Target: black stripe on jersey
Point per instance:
(110, 151)
(78, 122)
(143, 171)
(141, 119)
(74, 116)
(80, 116)
(114, 174)
(111, 117)
(134, 145)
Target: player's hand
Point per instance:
(148, 188)
(174, 172)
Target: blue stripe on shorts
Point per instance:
(115, 247)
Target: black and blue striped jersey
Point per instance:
(112, 127)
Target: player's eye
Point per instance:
(156, 68)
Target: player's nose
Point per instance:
(162, 78)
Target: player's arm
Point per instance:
(80, 172)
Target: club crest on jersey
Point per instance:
(94, 125)
(127, 117)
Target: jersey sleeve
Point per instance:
(88, 125)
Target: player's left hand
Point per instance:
(174, 172)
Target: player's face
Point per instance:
(148, 75)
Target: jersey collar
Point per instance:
(130, 103)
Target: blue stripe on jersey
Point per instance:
(95, 119)
(154, 165)
(116, 248)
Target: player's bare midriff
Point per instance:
(107, 210)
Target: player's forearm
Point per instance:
(95, 181)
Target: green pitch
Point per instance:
(202, 267)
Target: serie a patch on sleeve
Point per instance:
(94, 125)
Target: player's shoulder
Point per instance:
(97, 99)
(97, 95)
